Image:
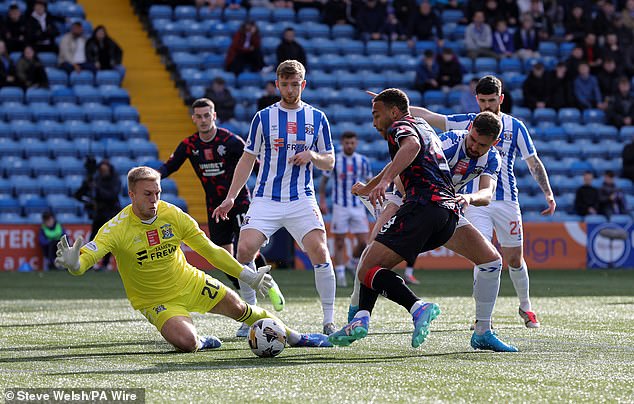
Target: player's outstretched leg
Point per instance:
(355, 330)
(209, 342)
(490, 342)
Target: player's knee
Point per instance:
(185, 342)
(246, 252)
(515, 260)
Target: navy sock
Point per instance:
(392, 286)
(367, 298)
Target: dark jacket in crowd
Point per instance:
(106, 53)
(586, 197)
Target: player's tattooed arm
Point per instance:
(538, 171)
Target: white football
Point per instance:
(267, 338)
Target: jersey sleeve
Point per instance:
(450, 143)
(524, 141)
(366, 172)
(194, 237)
(104, 242)
(494, 164)
(400, 130)
(175, 161)
(459, 121)
(324, 137)
(254, 140)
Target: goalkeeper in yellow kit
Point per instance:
(145, 238)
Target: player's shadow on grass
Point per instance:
(82, 346)
(18, 325)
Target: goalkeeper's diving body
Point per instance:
(145, 239)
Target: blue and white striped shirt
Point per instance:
(276, 135)
(514, 139)
(348, 171)
(463, 168)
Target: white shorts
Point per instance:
(298, 217)
(503, 216)
(349, 219)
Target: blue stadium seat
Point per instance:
(71, 166)
(627, 133)
(56, 77)
(70, 10)
(508, 65)
(117, 148)
(11, 218)
(62, 94)
(549, 49)
(53, 185)
(25, 130)
(432, 97)
(69, 218)
(87, 93)
(5, 131)
(565, 49)
(104, 129)
(305, 15)
(596, 219)
(134, 130)
(593, 116)
(348, 81)
(10, 147)
(62, 148)
(484, 64)
(69, 112)
(260, 14)
(44, 112)
(398, 48)
(142, 148)
(343, 31)
(319, 79)
(313, 30)
(175, 200)
(87, 147)
(25, 185)
(175, 43)
(235, 14)
(73, 182)
(623, 219)
(112, 77)
(125, 113)
(376, 47)
(123, 164)
(568, 150)
(43, 166)
(77, 129)
(113, 95)
(578, 167)
(166, 27)
(184, 12)
(452, 16)
(283, 15)
(48, 59)
(185, 59)
(592, 150)
(85, 77)
(15, 111)
(97, 112)
(6, 189)
(35, 147)
(38, 95)
(569, 115)
(249, 79)
(168, 186)
(523, 114)
(545, 115)
(160, 11)
(12, 95)
(577, 131)
(374, 80)
(9, 206)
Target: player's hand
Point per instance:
(359, 189)
(377, 195)
(222, 211)
(67, 256)
(260, 281)
(302, 158)
(463, 201)
(552, 205)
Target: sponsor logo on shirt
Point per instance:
(159, 308)
(166, 231)
(209, 154)
(291, 128)
(153, 237)
(222, 150)
(508, 135)
(141, 256)
(92, 246)
(278, 143)
(461, 167)
(309, 129)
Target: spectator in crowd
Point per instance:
(222, 98)
(479, 38)
(245, 50)
(427, 73)
(282, 3)
(40, 28)
(468, 101)
(424, 24)
(577, 24)
(541, 21)
(612, 50)
(471, 7)
(587, 197)
(574, 60)
(236, 4)
(370, 20)
(608, 78)
(210, 4)
(561, 94)
(289, 48)
(627, 15)
(526, 39)
(14, 29)
(270, 96)
(536, 88)
(591, 52)
(604, 18)
(625, 49)
(503, 41)
(393, 30)
(493, 12)
(611, 198)
(30, 71)
(51, 231)
(102, 51)
(449, 69)
(511, 12)
(586, 89)
(628, 161)
(620, 111)
(72, 50)
(404, 10)
(8, 75)
(336, 12)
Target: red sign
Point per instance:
(153, 237)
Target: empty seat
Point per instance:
(62, 94)
(113, 95)
(85, 77)
(285, 15)
(160, 11)
(43, 166)
(10, 206)
(175, 200)
(125, 113)
(52, 184)
(260, 14)
(569, 115)
(69, 112)
(34, 147)
(133, 130)
(71, 166)
(508, 65)
(549, 49)
(11, 94)
(62, 148)
(15, 110)
(168, 186)
(343, 31)
(484, 64)
(97, 112)
(593, 116)
(545, 115)
(377, 48)
(56, 76)
(44, 112)
(235, 14)
(38, 95)
(87, 93)
(142, 148)
(117, 148)
(25, 185)
(431, 97)
(183, 12)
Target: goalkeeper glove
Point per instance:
(68, 257)
(259, 280)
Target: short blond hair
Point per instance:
(142, 173)
(289, 68)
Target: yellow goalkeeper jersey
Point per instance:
(150, 261)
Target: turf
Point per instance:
(60, 331)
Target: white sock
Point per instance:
(326, 287)
(356, 290)
(485, 293)
(409, 271)
(416, 306)
(475, 272)
(362, 313)
(292, 337)
(340, 271)
(246, 292)
(519, 277)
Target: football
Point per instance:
(267, 338)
